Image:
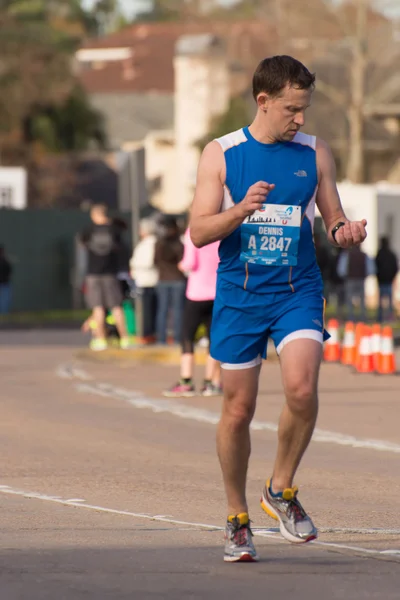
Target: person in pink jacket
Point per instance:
(200, 265)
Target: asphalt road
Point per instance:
(110, 491)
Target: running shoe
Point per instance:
(180, 390)
(239, 545)
(126, 343)
(98, 344)
(209, 389)
(295, 525)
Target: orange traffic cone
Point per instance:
(332, 346)
(365, 363)
(387, 362)
(376, 345)
(349, 344)
(358, 333)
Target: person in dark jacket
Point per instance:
(103, 241)
(354, 266)
(336, 284)
(323, 260)
(171, 284)
(386, 270)
(5, 282)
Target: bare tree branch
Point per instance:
(331, 92)
(387, 93)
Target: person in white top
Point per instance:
(145, 275)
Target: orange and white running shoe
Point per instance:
(295, 525)
(239, 545)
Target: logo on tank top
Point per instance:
(101, 243)
(301, 173)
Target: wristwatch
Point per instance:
(336, 228)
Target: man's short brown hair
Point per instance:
(273, 74)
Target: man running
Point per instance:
(256, 191)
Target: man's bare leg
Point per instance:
(300, 364)
(233, 435)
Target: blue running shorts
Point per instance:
(243, 321)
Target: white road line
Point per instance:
(71, 372)
(266, 533)
(5, 489)
(357, 530)
(348, 530)
(139, 400)
(335, 546)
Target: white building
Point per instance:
(202, 92)
(13, 187)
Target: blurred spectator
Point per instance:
(145, 275)
(90, 326)
(103, 240)
(171, 281)
(355, 266)
(323, 260)
(124, 255)
(386, 271)
(200, 264)
(335, 288)
(5, 282)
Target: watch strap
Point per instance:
(336, 228)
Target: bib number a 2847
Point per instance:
(271, 235)
(271, 243)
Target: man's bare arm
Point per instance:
(328, 202)
(207, 223)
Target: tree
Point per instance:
(71, 126)
(160, 11)
(42, 109)
(352, 44)
(366, 46)
(105, 17)
(37, 41)
(176, 10)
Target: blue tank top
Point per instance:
(273, 250)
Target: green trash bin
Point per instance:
(130, 319)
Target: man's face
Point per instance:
(285, 114)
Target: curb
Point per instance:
(41, 325)
(143, 355)
(162, 355)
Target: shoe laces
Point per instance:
(296, 509)
(240, 533)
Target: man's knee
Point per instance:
(300, 362)
(240, 395)
(238, 416)
(238, 409)
(301, 395)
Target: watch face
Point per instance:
(338, 226)
(335, 229)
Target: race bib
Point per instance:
(270, 236)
